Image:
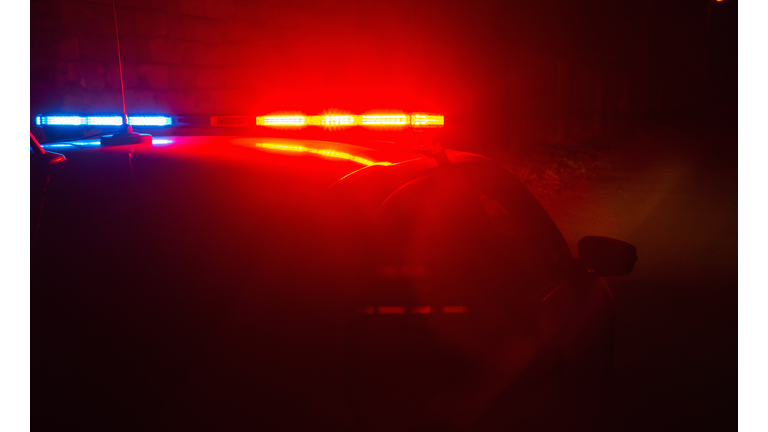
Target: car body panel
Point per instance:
(212, 282)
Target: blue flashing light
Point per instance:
(37, 120)
(149, 121)
(104, 121)
(62, 120)
(161, 141)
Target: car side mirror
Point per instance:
(603, 256)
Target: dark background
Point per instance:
(504, 73)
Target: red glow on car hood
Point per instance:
(226, 147)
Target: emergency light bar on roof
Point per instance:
(102, 120)
(374, 120)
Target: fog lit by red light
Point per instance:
(454, 309)
(414, 271)
(421, 310)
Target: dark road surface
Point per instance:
(673, 194)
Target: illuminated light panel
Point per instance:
(324, 152)
(421, 310)
(337, 120)
(62, 120)
(427, 120)
(104, 121)
(391, 310)
(384, 120)
(161, 141)
(293, 120)
(148, 121)
(454, 309)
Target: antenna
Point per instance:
(119, 63)
(125, 134)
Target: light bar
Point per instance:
(331, 121)
(42, 120)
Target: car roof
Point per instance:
(371, 152)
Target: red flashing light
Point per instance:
(283, 120)
(337, 120)
(384, 120)
(427, 120)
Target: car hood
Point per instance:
(279, 176)
(290, 154)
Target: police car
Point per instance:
(229, 282)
